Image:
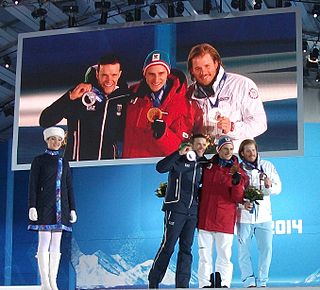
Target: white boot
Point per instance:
(54, 268)
(43, 264)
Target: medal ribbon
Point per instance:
(99, 95)
(200, 92)
(225, 163)
(156, 98)
(52, 152)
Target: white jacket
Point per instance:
(263, 211)
(239, 100)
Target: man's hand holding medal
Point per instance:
(158, 125)
(88, 93)
(265, 179)
(186, 149)
(224, 124)
(79, 91)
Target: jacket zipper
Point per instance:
(103, 128)
(76, 143)
(178, 181)
(177, 191)
(193, 182)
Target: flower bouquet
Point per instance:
(252, 194)
(161, 190)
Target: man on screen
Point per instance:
(95, 114)
(230, 102)
(159, 117)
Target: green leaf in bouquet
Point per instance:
(161, 190)
(253, 194)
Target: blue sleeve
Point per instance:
(33, 183)
(71, 199)
(167, 163)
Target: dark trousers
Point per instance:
(176, 226)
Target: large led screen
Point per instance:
(263, 48)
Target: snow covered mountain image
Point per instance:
(99, 271)
(313, 279)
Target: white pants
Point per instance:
(223, 263)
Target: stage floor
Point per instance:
(37, 287)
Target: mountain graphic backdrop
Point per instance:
(99, 271)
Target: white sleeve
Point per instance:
(273, 175)
(254, 120)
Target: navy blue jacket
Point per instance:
(184, 182)
(42, 190)
(92, 134)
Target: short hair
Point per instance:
(109, 58)
(245, 143)
(199, 135)
(200, 50)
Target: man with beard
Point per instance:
(230, 102)
(256, 219)
(95, 114)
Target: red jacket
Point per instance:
(139, 141)
(219, 197)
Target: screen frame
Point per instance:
(299, 74)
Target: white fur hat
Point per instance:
(53, 131)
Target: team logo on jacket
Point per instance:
(253, 93)
(119, 109)
(91, 108)
(187, 165)
(185, 135)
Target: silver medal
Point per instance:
(89, 99)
